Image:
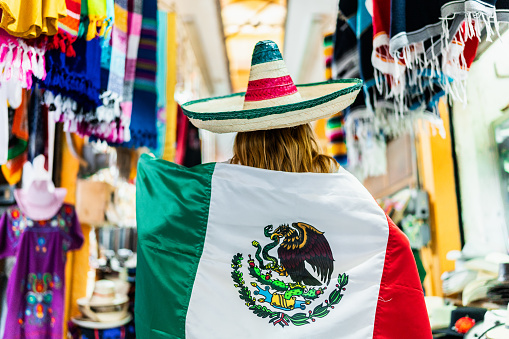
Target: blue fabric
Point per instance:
(162, 28)
(76, 77)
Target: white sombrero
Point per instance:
(272, 100)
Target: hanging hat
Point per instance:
(39, 199)
(462, 320)
(105, 305)
(272, 100)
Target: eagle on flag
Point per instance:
(304, 243)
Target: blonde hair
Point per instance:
(292, 149)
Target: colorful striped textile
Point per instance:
(134, 21)
(161, 78)
(334, 129)
(143, 120)
(68, 28)
(264, 91)
(335, 132)
(328, 52)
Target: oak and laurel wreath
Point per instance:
(282, 318)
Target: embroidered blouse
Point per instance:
(35, 291)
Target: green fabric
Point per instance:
(262, 112)
(19, 147)
(172, 207)
(420, 266)
(97, 7)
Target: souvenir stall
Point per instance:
(406, 138)
(86, 88)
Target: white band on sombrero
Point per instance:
(272, 100)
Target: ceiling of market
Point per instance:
(224, 32)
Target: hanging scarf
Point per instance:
(134, 22)
(108, 123)
(143, 121)
(118, 48)
(18, 140)
(21, 59)
(387, 69)
(106, 48)
(77, 78)
(162, 28)
(37, 125)
(94, 20)
(68, 28)
(345, 61)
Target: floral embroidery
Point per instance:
(39, 298)
(40, 247)
(17, 226)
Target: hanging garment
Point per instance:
(29, 19)
(388, 70)
(258, 273)
(21, 59)
(77, 77)
(4, 125)
(36, 287)
(162, 53)
(17, 155)
(182, 134)
(68, 28)
(335, 132)
(93, 23)
(37, 125)
(106, 48)
(134, 22)
(144, 109)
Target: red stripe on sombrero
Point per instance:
(264, 89)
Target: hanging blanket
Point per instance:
(143, 120)
(21, 59)
(68, 28)
(134, 21)
(76, 77)
(229, 251)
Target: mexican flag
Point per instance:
(228, 251)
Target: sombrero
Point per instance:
(272, 100)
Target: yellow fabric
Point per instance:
(31, 18)
(337, 148)
(77, 266)
(171, 80)
(11, 172)
(436, 170)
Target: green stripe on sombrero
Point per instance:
(265, 51)
(262, 112)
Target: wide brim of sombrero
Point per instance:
(226, 114)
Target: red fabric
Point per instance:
(381, 17)
(471, 46)
(182, 132)
(401, 311)
(270, 88)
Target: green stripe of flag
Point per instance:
(172, 222)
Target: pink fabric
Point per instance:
(264, 89)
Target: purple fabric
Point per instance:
(35, 291)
